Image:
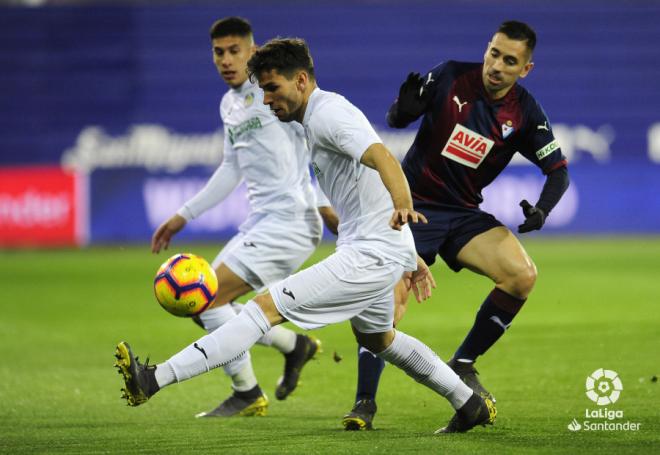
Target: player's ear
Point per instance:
(526, 69)
(301, 80)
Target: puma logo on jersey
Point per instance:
(467, 147)
(249, 244)
(289, 293)
(543, 127)
(458, 103)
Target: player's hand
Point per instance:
(413, 99)
(421, 281)
(534, 217)
(402, 216)
(165, 232)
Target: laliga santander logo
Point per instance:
(604, 387)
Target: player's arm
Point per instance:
(328, 214)
(330, 218)
(220, 185)
(413, 101)
(556, 184)
(379, 158)
(541, 148)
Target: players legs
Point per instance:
(418, 361)
(262, 253)
(497, 254)
(347, 285)
(370, 367)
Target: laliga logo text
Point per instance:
(603, 387)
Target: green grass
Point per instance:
(63, 311)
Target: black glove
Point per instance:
(412, 99)
(534, 217)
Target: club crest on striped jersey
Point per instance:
(507, 129)
(467, 147)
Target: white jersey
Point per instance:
(269, 155)
(338, 134)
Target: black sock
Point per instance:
(254, 392)
(493, 318)
(369, 369)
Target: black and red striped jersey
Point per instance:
(466, 139)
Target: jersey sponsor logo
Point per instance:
(467, 147)
(249, 125)
(547, 149)
(458, 103)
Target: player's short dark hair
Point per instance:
(230, 26)
(519, 31)
(286, 55)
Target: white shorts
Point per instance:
(348, 285)
(271, 247)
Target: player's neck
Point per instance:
(498, 95)
(307, 94)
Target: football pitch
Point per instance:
(595, 306)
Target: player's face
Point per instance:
(284, 96)
(504, 62)
(230, 56)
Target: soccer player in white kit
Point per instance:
(282, 229)
(367, 188)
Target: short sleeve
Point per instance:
(346, 128)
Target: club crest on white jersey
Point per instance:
(467, 147)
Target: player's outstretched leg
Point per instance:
(219, 348)
(362, 415)
(305, 350)
(139, 379)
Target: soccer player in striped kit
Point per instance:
(475, 116)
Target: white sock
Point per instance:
(240, 370)
(215, 317)
(282, 339)
(244, 379)
(425, 367)
(225, 344)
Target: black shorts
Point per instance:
(449, 229)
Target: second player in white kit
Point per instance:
(282, 229)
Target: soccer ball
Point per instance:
(185, 285)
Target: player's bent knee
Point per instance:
(523, 281)
(374, 342)
(267, 305)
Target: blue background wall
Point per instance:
(597, 72)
